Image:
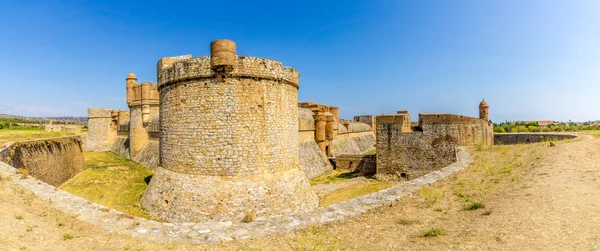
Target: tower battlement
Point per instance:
(172, 70)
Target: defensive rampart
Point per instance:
(53, 161)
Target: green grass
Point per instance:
(112, 181)
(474, 205)
(372, 152)
(430, 195)
(353, 192)
(433, 232)
(20, 135)
(334, 176)
(67, 237)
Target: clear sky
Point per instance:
(531, 60)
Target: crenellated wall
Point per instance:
(53, 161)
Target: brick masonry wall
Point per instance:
(53, 161)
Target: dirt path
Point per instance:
(536, 198)
(559, 209)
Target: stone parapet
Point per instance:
(184, 68)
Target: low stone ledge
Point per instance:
(210, 232)
(527, 138)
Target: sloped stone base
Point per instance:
(177, 197)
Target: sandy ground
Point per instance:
(536, 198)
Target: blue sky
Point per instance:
(531, 60)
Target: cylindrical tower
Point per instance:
(130, 82)
(329, 133)
(142, 100)
(320, 124)
(483, 110)
(336, 114)
(229, 142)
(329, 119)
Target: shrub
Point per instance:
(67, 237)
(474, 205)
(522, 129)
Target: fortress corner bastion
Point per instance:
(229, 139)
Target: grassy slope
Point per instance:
(346, 193)
(112, 181)
(18, 135)
(353, 192)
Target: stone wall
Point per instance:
(53, 161)
(102, 132)
(353, 143)
(410, 154)
(74, 129)
(121, 147)
(364, 165)
(466, 131)
(306, 125)
(525, 138)
(147, 157)
(312, 161)
(367, 119)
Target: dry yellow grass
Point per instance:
(536, 198)
(334, 176)
(353, 192)
(18, 135)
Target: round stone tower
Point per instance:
(229, 139)
(483, 110)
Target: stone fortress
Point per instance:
(228, 139)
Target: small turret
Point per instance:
(223, 55)
(130, 81)
(483, 110)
